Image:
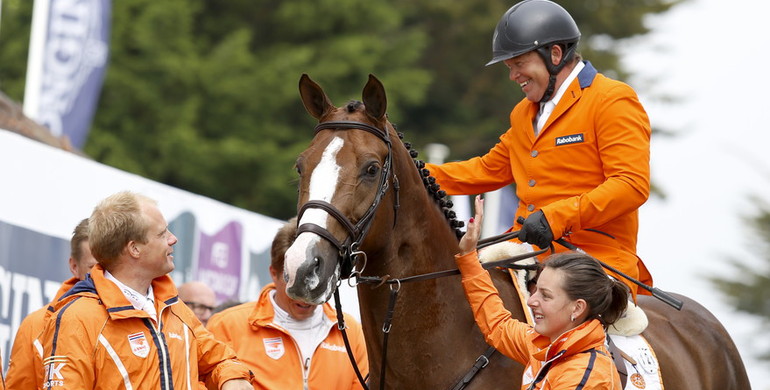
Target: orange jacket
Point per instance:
(268, 349)
(97, 340)
(589, 168)
(26, 355)
(579, 358)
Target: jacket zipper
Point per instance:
(162, 347)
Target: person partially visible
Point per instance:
(26, 353)
(577, 149)
(199, 297)
(573, 304)
(287, 343)
(124, 326)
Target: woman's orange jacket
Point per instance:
(578, 359)
(588, 169)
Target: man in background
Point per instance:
(277, 334)
(200, 298)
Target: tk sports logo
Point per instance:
(53, 375)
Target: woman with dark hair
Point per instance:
(574, 302)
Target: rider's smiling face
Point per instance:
(529, 71)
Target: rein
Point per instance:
(395, 286)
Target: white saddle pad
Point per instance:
(644, 370)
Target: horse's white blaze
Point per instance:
(323, 183)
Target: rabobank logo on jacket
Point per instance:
(570, 139)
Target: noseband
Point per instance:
(348, 249)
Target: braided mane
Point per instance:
(433, 188)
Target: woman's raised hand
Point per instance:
(471, 238)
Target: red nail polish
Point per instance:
(470, 220)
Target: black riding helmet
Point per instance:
(536, 25)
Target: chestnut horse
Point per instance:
(363, 206)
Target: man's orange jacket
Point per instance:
(26, 354)
(588, 169)
(96, 339)
(274, 357)
(578, 359)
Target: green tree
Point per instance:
(202, 94)
(750, 291)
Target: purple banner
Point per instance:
(219, 262)
(74, 60)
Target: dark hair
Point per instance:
(282, 241)
(584, 278)
(79, 236)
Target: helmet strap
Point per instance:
(553, 70)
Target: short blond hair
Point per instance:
(114, 222)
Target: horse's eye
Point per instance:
(372, 169)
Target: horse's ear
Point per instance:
(313, 97)
(374, 98)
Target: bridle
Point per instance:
(348, 248)
(349, 252)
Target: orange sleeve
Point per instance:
(217, 362)
(499, 328)
(477, 175)
(22, 361)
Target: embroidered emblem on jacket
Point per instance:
(569, 139)
(139, 345)
(274, 347)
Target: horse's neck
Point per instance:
(424, 241)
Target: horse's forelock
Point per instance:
(353, 106)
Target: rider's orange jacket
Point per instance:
(268, 349)
(578, 359)
(96, 339)
(588, 169)
(26, 355)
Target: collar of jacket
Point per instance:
(263, 313)
(587, 75)
(587, 335)
(95, 285)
